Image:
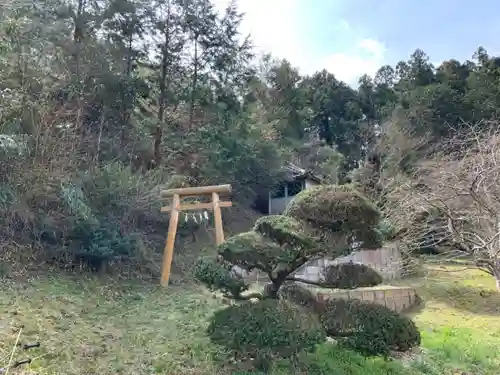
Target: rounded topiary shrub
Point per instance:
(328, 205)
(245, 248)
(217, 275)
(285, 230)
(266, 329)
(298, 294)
(338, 210)
(369, 328)
(351, 276)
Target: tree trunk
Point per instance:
(125, 94)
(77, 45)
(130, 58)
(271, 289)
(194, 83)
(158, 134)
(496, 273)
(78, 37)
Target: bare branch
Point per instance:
(451, 196)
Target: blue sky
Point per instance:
(352, 37)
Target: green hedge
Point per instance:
(369, 328)
(351, 276)
(217, 275)
(266, 329)
(298, 294)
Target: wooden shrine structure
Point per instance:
(176, 207)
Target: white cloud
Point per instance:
(365, 58)
(271, 24)
(278, 27)
(374, 47)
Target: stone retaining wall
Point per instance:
(386, 261)
(394, 298)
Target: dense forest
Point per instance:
(103, 102)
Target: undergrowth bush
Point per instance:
(369, 328)
(86, 218)
(351, 276)
(265, 330)
(130, 198)
(100, 242)
(92, 237)
(217, 275)
(387, 229)
(298, 294)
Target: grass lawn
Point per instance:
(88, 326)
(460, 322)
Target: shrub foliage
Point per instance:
(338, 209)
(298, 294)
(218, 276)
(351, 276)
(369, 328)
(321, 221)
(267, 328)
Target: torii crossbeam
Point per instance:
(177, 207)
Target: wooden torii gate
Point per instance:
(176, 207)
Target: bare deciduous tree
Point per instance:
(458, 190)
